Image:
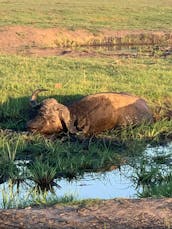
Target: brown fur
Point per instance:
(91, 115)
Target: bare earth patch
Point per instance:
(31, 41)
(117, 214)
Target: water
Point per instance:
(100, 185)
(105, 50)
(106, 185)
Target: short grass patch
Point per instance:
(148, 78)
(92, 15)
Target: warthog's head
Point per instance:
(51, 116)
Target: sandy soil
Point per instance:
(31, 41)
(116, 214)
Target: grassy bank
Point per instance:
(92, 15)
(146, 77)
(149, 78)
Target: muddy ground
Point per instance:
(118, 213)
(31, 41)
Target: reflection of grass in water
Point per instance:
(50, 159)
(162, 190)
(153, 174)
(7, 157)
(149, 172)
(31, 197)
(47, 160)
(36, 197)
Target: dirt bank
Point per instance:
(117, 214)
(54, 41)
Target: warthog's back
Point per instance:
(104, 111)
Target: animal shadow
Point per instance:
(15, 112)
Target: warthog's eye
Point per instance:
(53, 121)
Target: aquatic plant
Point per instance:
(30, 197)
(8, 168)
(42, 174)
(153, 174)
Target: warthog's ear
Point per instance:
(65, 117)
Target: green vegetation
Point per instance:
(153, 174)
(38, 159)
(148, 78)
(71, 157)
(14, 199)
(92, 15)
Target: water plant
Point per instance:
(153, 174)
(30, 197)
(157, 191)
(43, 175)
(8, 168)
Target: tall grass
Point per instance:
(42, 174)
(8, 153)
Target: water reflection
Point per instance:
(104, 50)
(101, 185)
(131, 50)
(152, 172)
(143, 176)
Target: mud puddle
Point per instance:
(126, 51)
(29, 41)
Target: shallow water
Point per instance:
(100, 185)
(107, 185)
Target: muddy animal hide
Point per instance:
(90, 115)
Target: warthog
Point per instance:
(89, 115)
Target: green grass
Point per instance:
(92, 15)
(149, 78)
(31, 197)
(153, 174)
(158, 191)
